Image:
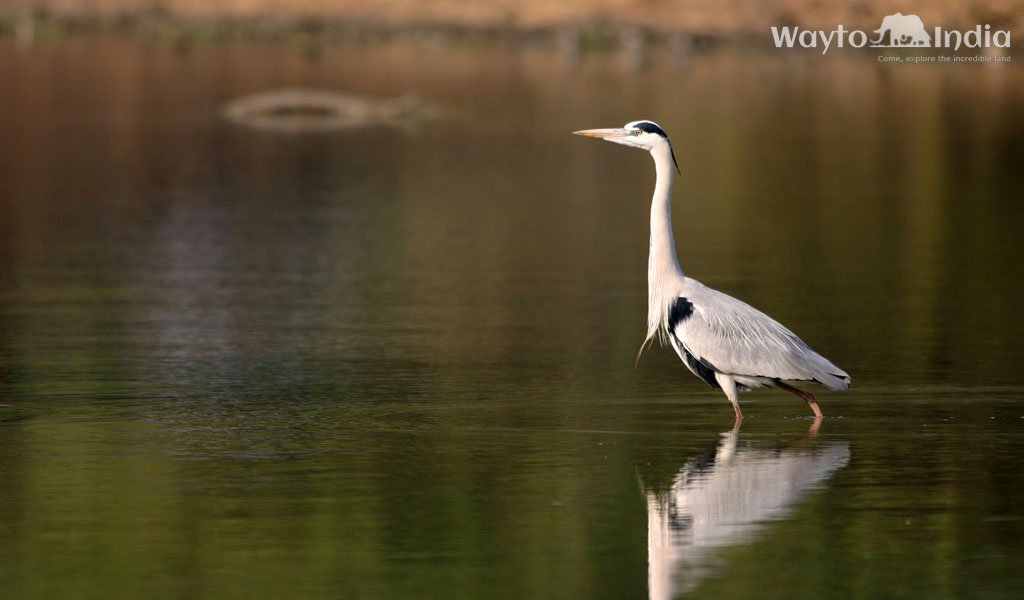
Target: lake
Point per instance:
(397, 361)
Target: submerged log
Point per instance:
(299, 110)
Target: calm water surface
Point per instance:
(398, 362)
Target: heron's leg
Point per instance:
(806, 396)
(728, 385)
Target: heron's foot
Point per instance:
(813, 429)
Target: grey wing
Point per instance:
(726, 335)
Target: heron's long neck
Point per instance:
(663, 271)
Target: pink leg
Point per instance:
(806, 396)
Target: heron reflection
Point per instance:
(722, 499)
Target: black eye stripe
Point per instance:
(649, 127)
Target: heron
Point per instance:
(729, 344)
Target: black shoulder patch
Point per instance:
(679, 312)
(651, 128)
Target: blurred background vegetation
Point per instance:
(736, 21)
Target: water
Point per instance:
(398, 361)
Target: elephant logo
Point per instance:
(903, 30)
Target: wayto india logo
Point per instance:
(896, 31)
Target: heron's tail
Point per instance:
(839, 382)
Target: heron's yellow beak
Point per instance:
(604, 134)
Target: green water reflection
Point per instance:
(398, 362)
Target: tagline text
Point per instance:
(978, 58)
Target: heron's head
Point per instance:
(646, 135)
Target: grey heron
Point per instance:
(724, 341)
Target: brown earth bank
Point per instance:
(725, 20)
